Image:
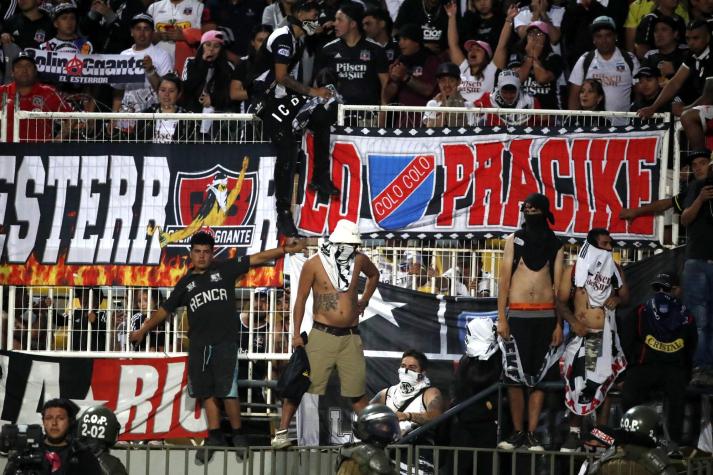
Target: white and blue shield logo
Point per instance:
(401, 188)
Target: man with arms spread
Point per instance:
(208, 293)
(531, 334)
(332, 276)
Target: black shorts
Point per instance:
(533, 333)
(213, 370)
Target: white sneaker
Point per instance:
(280, 441)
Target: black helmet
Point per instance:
(98, 424)
(377, 424)
(643, 421)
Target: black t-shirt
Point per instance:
(473, 27)
(700, 67)
(74, 462)
(28, 33)
(241, 18)
(700, 231)
(391, 50)
(547, 94)
(210, 301)
(675, 57)
(357, 68)
(433, 23)
(645, 30)
(280, 47)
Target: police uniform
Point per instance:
(209, 298)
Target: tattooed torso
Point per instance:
(334, 308)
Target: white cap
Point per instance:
(508, 77)
(346, 232)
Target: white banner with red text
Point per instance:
(148, 396)
(472, 184)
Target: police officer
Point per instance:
(359, 62)
(662, 355)
(280, 97)
(635, 449)
(377, 426)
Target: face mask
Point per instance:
(310, 27)
(535, 222)
(345, 252)
(409, 378)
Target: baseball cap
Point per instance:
(663, 280)
(602, 22)
(23, 56)
(482, 44)
(448, 69)
(412, 32)
(63, 8)
(667, 20)
(648, 71)
(692, 155)
(212, 35)
(540, 25)
(508, 78)
(141, 17)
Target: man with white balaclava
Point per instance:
(507, 94)
(415, 403)
(593, 361)
(332, 278)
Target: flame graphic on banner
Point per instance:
(166, 274)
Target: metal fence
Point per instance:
(179, 460)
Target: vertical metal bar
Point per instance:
(108, 331)
(90, 307)
(48, 323)
(16, 119)
(30, 313)
(11, 317)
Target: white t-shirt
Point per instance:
(555, 13)
(472, 88)
(136, 95)
(168, 16)
(164, 130)
(615, 75)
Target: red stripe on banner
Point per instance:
(402, 185)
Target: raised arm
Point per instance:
(456, 54)
(272, 254)
(500, 57)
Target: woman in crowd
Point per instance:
(591, 98)
(206, 78)
(167, 130)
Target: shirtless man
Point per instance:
(573, 304)
(532, 262)
(332, 276)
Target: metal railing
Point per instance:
(123, 127)
(179, 460)
(397, 116)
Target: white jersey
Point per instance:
(472, 88)
(76, 46)
(418, 405)
(168, 15)
(615, 75)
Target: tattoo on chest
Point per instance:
(325, 302)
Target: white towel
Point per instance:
(594, 271)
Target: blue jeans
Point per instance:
(698, 297)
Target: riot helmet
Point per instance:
(377, 424)
(643, 421)
(98, 427)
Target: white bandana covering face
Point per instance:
(338, 262)
(410, 383)
(481, 341)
